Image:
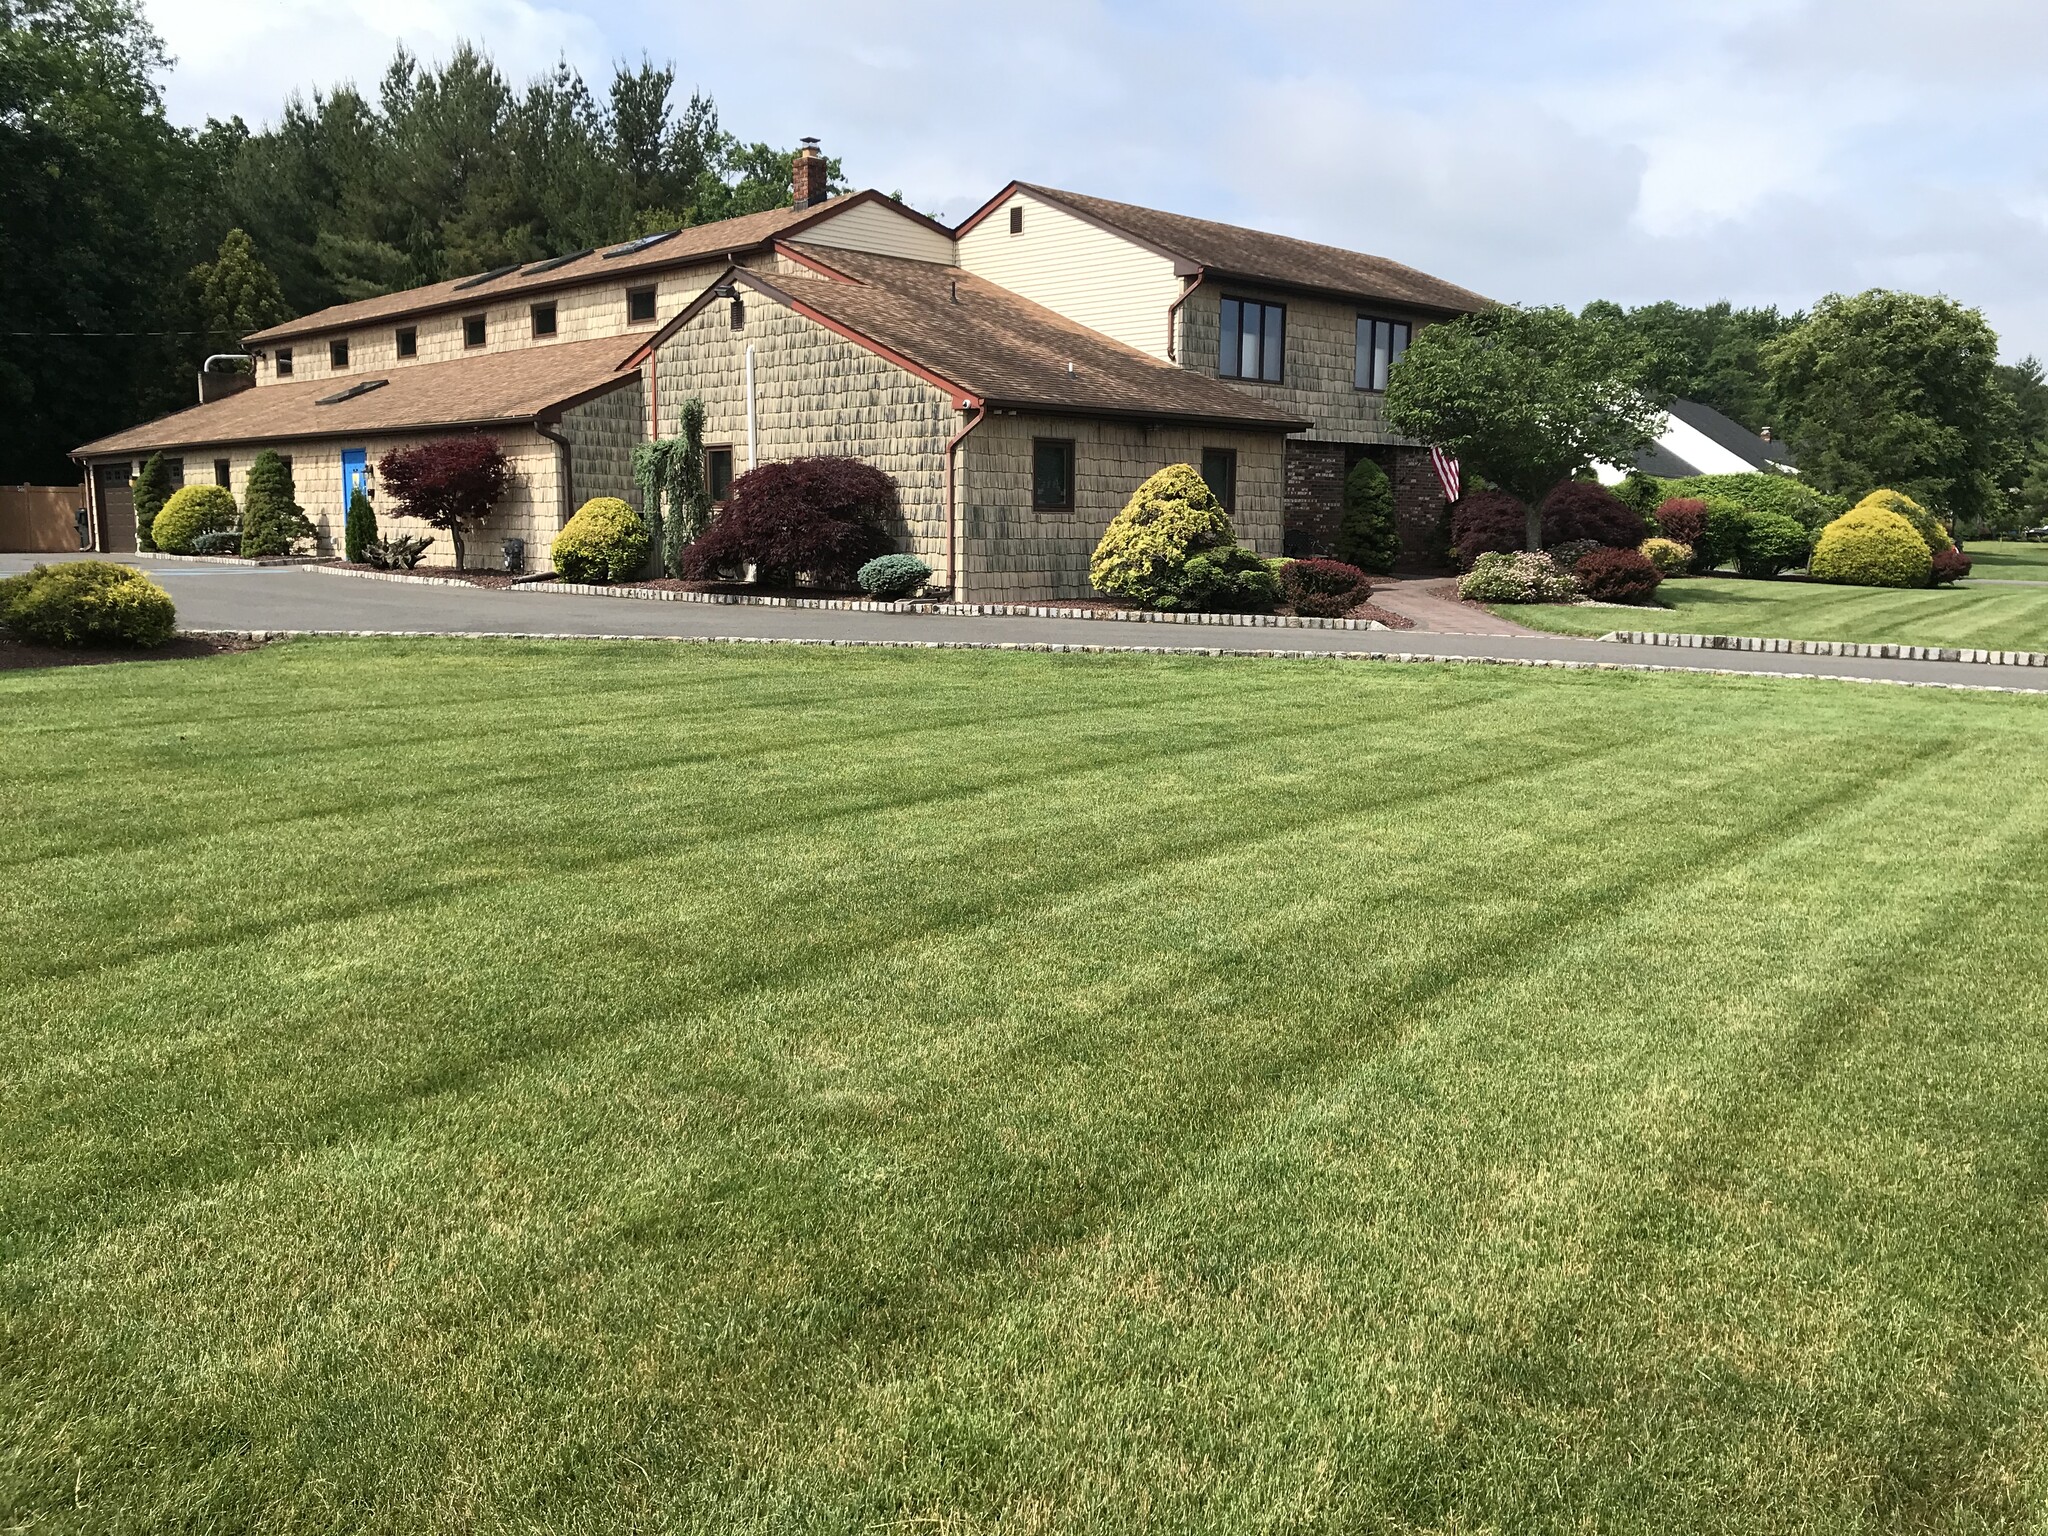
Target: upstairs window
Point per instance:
(337, 354)
(472, 330)
(1052, 474)
(1381, 344)
(718, 474)
(1254, 340)
(284, 362)
(544, 319)
(408, 341)
(639, 306)
(1219, 471)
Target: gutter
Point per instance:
(1173, 310)
(565, 456)
(978, 412)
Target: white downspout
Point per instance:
(752, 431)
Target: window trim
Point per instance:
(405, 341)
(1073, 460)
(1361, 349)
(1237, 353)
(283, 362)
(711, 452)
(1228, 496)
(483, 331)
(653, 296)
(554, 319)
(337, 354)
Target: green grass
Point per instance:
(1994, 618)
(513, 1087)
(2010, 560)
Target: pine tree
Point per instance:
(272, 519)
(1366, 536)
(359, 531)
(237, 293)
(151, 489)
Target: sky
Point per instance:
(1540, 153)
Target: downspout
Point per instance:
(565, 456)
(977, 414)
(752, 436)
(1173, 311)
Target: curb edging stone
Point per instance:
(1845, 648)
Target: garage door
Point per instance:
(116, 507)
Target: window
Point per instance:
(1254, 339)
(408, 341)
(1052, 474)
(1219, 470)
(284, 362)
(337, 353)
(220, 472)
(286, 460)
(1017, 220)
(472, 330)
(543, 319)
(1380, 345)
(639, 306)
(718, 474)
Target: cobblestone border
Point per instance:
(1091, 649)
(308, 561)
(1859, 652)
(857, 605)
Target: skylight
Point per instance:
(485, 277)
(641, 244)
(556, 261)
(352, 391)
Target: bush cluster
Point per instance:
(1618, 576)
(605, 541)
(1871, 547)
(887, 578)
(1786, 495)
(822, 518)
(191, 511)
(1670, 557)
(1323, 589)
(1520, 577)
(92, 602)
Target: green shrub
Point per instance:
(1786, 495)
(1871, 547)
(272, 519)
(1366, 535)
(359, 529)
(1232, 580)
(90, 603)
(226, 542)
(190, 512)
(150, 490)
(889, 577)
(1523, 577)
(1169, 520)
(1768, 544)
(1641, 492)
(604, 541)
(1670, 557)
(1924, 522)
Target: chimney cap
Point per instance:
(808, 143)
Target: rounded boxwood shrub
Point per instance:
(889, 577)
(194, 510)
(1323, 589)
(1523, 576)
(1231, 580)
(605, 541)
(1949, 566)
(1770, 543)
(1924, 522)
(1670, 557)
(823, 518)
(1366, 535)
(1580, 509)
(1870, 547)
(1169, 520)
(1618, 576)
(1487, 522)
(93, 602)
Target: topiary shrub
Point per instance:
(887, 578)
(1870, 547)
(190, 512)
(1231, 580)
(1169, 520)
(1948, 567)
(605, 541)
(823, 518)
(359, 529)
(272, 520)
(1670, 557)
(150, 490)
(1618, 576)
(1768, 544)
(90, 603)
(1581, 509)
(1523, 576)
(1924, 522)
(1487, 522)
(1323, 589)
(1366, 535)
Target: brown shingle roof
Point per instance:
(1249, 253)
(694, 246)
(1006, 350)
(498, 387)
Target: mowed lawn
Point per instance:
(2003, 618)
(2009, 559)
(503, 1086)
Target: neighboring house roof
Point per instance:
(1253, 255)
(1725, 432)
(496, 388)
(985, 344)
(686, 247)
(1656, 459)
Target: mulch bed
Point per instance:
(15, 656)
(493, 579)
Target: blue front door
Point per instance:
(355, 475)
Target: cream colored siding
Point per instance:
(1014, 553)
(1074, 268)
(1319, 378)
(881, 229)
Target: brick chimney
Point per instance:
(809, 175)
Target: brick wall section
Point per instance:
(1420, 513)
(1314, 496)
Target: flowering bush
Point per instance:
(1618, 576)
(1323, 589)
(823, 518)
(1669, 556)
(1521, 577)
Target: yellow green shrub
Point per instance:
(1669, 556)
(1871, 547)
(1924, 522)
(1169, 520)
(191, 512)
(89, 603)
(604, 541)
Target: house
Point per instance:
(1699, 440)
(1018, 377)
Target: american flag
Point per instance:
(1446, 472)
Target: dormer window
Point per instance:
(337, 354)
